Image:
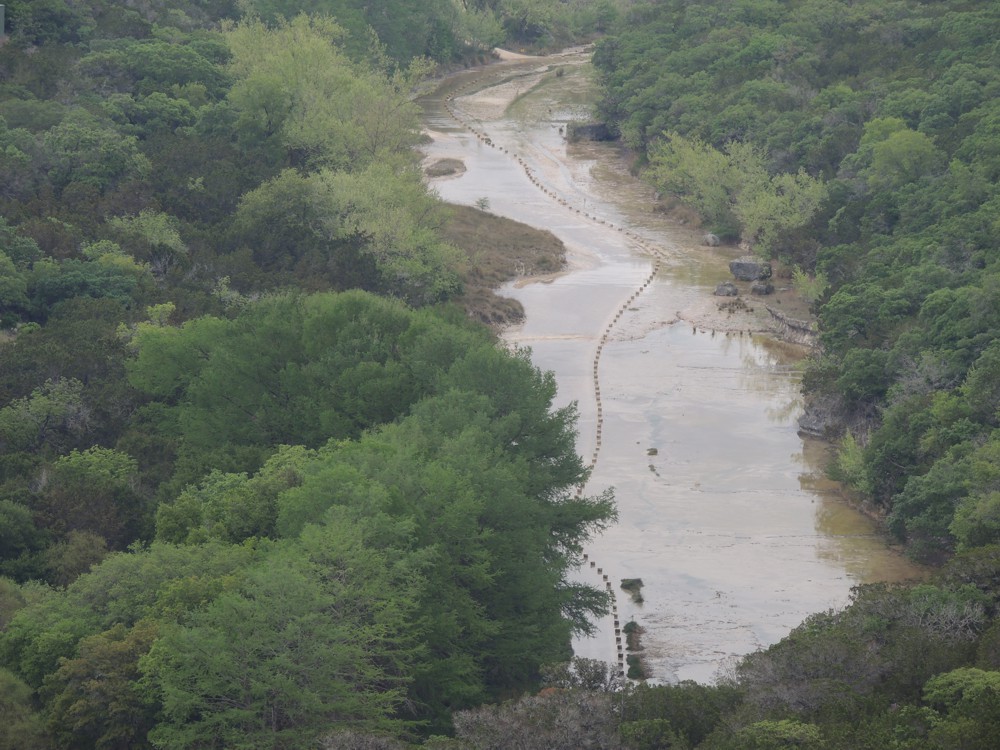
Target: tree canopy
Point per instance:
(260, 481)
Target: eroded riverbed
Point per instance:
(688, 413)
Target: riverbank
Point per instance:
(499, 251)
(724, 512)
(514, 78)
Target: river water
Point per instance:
(724, 512)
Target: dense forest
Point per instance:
(263, 484)
(261, 479)
(857, 143)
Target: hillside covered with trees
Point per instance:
(858, 141)
(261, 479)
(263, 485)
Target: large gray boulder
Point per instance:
(712, 240)
(822, 417)
(749, 268)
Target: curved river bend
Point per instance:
(723, 510)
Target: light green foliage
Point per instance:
(949, 690)
(40, 634)
(232, 507)
(977, 520)
(313, 637)
(810, 287)
(396, 220)
(968, 700)
(52, 414)
(481, 27)
(328, 218)
(152, 237)
(650, 734)
(699, 175)
(776, 735)
(295, 88)
(171, 357)
(163, 582)
(898, 155)
(768, 209)
(733, 190)
(849, 466)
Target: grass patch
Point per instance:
(498, 250)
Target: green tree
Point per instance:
(733, 190)
(295, 90)
(313, 638)
(784, 733)
(969, 699)
(901, 157)
(698, 175)
(96, 699)
(152, 238)
(22, 727)
(68, 559)
(13, 291)
(95, 491)
(55, 415)
(81, 149)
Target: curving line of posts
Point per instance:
(657, 255)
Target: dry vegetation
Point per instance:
(499, 250)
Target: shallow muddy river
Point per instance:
(723, 510)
